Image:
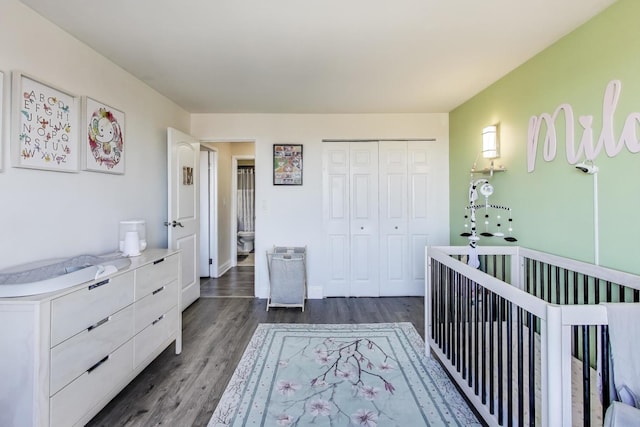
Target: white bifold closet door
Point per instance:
(404, 217)
(350, 204)
(376, 217)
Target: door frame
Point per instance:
(209, 206)
(234, 205)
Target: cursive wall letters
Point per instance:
(586, 147)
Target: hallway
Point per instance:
(235, 283)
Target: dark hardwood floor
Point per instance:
(237, 282)
(184, 390)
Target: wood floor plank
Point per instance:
(184, 390)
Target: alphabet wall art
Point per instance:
(44, 131)
(103, 138)
(587, 146)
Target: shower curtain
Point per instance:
(246, 197)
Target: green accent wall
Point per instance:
(553, 206)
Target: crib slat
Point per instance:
(532, 370)
(566, 286)
(548, 298)
(465, 308)
(575, 301)
(483, 351)
(604, 352)
(527, 279)
(509, 365)
(500, 362)
(476, 322)
(458, 310)
(520, 368)
(586, 380)
(492, 322)
(557, 284)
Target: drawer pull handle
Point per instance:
(96, 285)
(158, 290)
(158, 261)
(102, 322)
(94, 367)
(157, 320)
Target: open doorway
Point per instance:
(243, 204)
(231, 220)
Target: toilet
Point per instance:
(245, 241)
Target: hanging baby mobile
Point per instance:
(493, 215)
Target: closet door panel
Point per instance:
(336, 218)
(421, 208)
(394, 249)
(364, 219)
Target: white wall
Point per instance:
(46, 214)
(292, 215)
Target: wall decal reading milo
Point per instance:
(586, 147)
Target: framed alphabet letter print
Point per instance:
(103, 138)
(44, 131)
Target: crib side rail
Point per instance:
(490, 336)
(592, 271)
(468, 314)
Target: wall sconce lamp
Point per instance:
(490, 149)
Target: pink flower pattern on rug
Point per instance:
(339, 375)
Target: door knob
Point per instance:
(174, 224)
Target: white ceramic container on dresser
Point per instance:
(64, 355)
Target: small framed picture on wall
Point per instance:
(44, 130)
(287, 164)
(103, 138)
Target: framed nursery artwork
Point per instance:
(287, 164)
(44, 128)
(102, 137)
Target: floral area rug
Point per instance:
(340, 375)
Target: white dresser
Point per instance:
(66, 354)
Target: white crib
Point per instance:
(525, 336)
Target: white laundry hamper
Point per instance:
(287, 276)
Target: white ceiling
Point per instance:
(318, 56)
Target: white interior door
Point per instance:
(208, 263)
(364, 219)
(183, 153)
(424, 210)
(205, 225)
(394, 238)
(335, 194)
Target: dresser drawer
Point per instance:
(152, 276)
(75, 312)
(70, 404)
(71, 358)
(155, 304)
(161, 329)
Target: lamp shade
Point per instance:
(490, 148)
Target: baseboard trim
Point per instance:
(224, 268)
